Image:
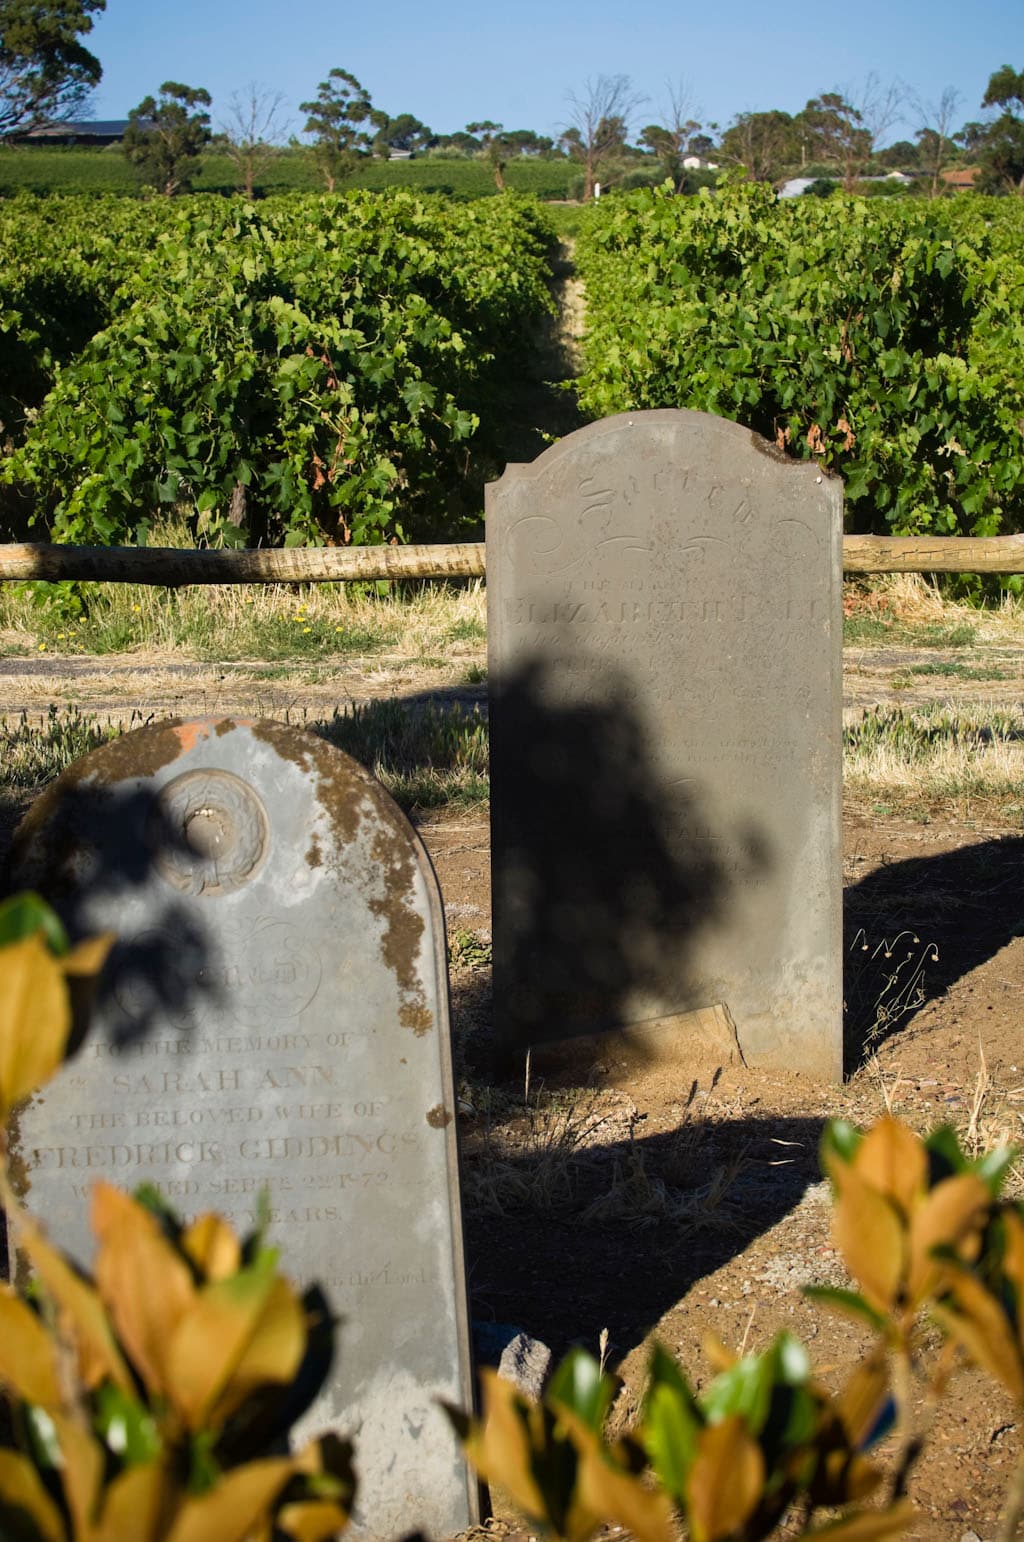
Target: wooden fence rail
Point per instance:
(172, 567)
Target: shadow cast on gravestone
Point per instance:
(633, 1226)
(913, 928)
(606, 877)
(84, 845)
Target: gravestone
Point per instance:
(664, 634)
(274, 1017)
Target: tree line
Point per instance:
(47, 73)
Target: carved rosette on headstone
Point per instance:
(273, 1020)
(664, 625)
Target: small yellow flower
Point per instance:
(42, 647)
(339, 628)
(137, 609)
(307, 629)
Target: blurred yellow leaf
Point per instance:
(212, 1247)
(239, 1334)
(867, 1231)
(844, 1477)
(234, 1507)
(718, 1354)
(863, 1396)
(22, 1494)
(143, 1282)
(500, 1444)
(134, 1506)
(892, 1159)
(273, 1353)
(27, 1367)
(726, 1480)
(311, 1520)
(87, 958)
(870, 1525)
(607, 1492)
(81, 1311)
(82, 1461)
(35, 1017)
(980, 1325)
(952, 1215)
(1013, 1256)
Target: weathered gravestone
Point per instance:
(274, 1017)
(664, 622)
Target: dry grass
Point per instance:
(232, 622)
(898, 759)
(578, 1153)
(911, 607)
(531, 1157)
(426, 756)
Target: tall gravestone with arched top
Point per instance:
(664, 624)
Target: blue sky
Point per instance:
(454, 62)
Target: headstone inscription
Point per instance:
(664, 634)
(274, 1017)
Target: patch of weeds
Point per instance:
(427, 756)
(421, 790)
(883, 982)
(918, 758)
(576, 1152)
(914, 735)
(469, 950)
(467, 629)
(938, 635)
(874, 628)
(296, 636)
(32, 753)
(113, 634)
(271, 672)
(475, 675)
(67, 639)
(866, 629)
(535, 1162)
(956, 670)
(641, 1197)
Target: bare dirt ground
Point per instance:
(660, 1206)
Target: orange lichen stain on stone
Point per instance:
(227, 725)
(348, 795)
(404, 926)
(342, 786)
(438, 1117)
(418, 1018)
(190, 734)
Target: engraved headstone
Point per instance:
(664, 624)
(274, 1017)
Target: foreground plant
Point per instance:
(762, 1441)
(151, 1402)
(926, 1234)
(145, 1401)
(912, 1219)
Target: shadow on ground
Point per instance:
(616, 1249)
(913, 928)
